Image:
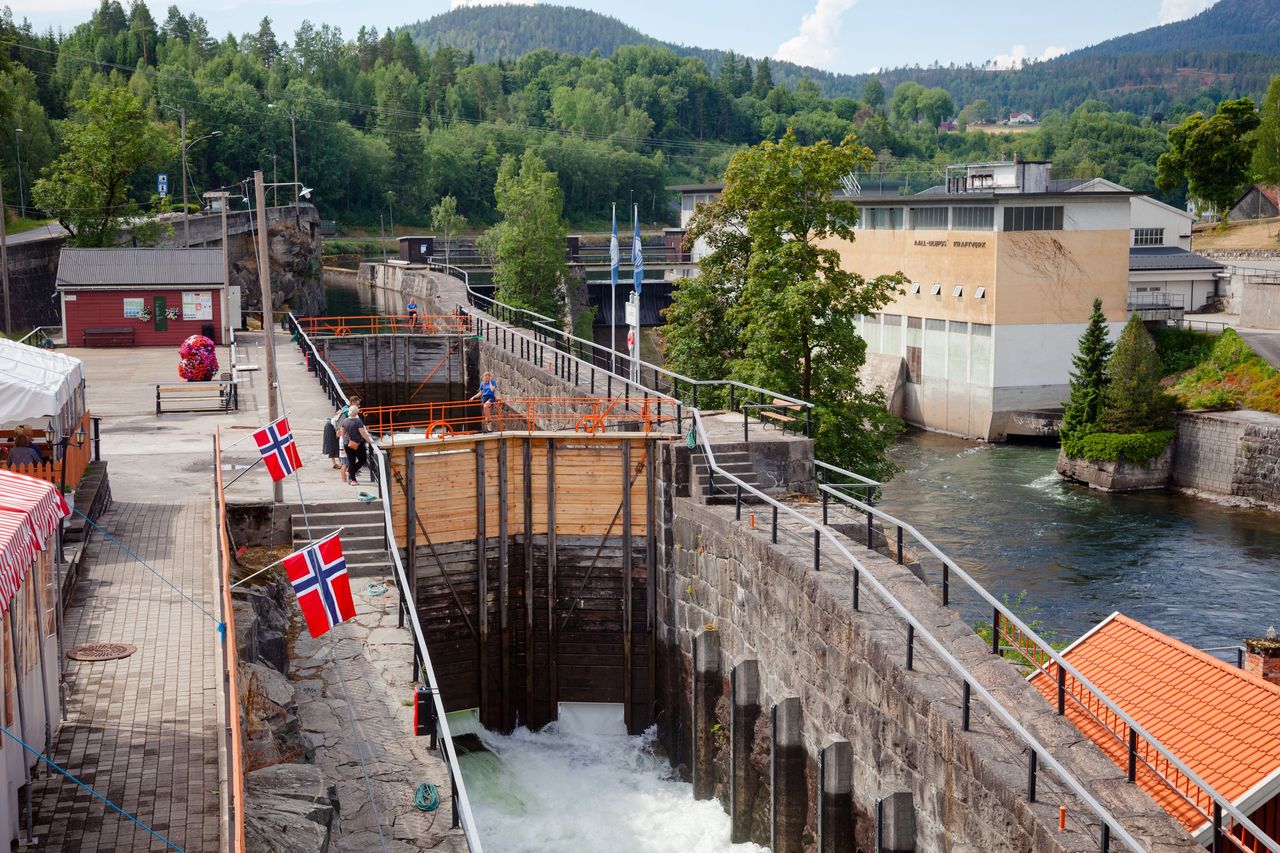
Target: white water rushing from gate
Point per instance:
(583, 784)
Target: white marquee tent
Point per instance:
(40, 388)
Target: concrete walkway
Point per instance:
(143, 730)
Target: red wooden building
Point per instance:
(140, 297)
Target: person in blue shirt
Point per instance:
(488, 395)
(412, 310)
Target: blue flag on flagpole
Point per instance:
(615, 255)
(637, 256)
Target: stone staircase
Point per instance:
(363, 536)
(723, 490)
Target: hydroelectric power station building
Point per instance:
(1004, 263)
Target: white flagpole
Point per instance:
(614, 260)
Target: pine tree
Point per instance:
(1089, 379)
(1134, 402)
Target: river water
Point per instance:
(1206, 574)
(583, 784)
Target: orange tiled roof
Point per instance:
(1222, 722)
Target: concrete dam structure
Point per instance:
(808, 662)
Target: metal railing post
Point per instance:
(817, 538)
(995, 630)
(1132, 774)
(964, 706)
(911, 647)
(1031, 776)
(737, 503)
(826, 498)
(869, 531)
(1062, 691)
(773, 536)
(944, 565)
(946, 584)
(857, 591)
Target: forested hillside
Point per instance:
(1232, 48)
(386, 127)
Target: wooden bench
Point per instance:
(118, 336)
(198, 397)
(778, 417)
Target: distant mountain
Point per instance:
(1232, 48)
(508, 32)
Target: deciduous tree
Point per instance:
(1213, 155)
(529, 243)
(446, 221)
(109, 139)
(1266, 156)
(774, 307)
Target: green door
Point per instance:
(158, 313)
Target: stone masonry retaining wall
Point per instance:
(1230, 453)
(847, 669)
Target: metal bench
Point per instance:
(777, 416)
(117, 336)
(198, 397)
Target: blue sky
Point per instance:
(839, 35)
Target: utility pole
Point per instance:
(4, 263)
(268, 324)
(22, 196)
(293, 134)
(186, 224)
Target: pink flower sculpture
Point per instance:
(199, 359)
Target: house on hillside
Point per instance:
(1257, 202)
(948, 126)
(1220, 721)
(1021, 118)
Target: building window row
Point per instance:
(931, 218)
(1148, 236)
(953, 351)
(1033, 218)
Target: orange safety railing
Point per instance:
(386, 324)
(521, 414)
(78, 456)
(230, 664)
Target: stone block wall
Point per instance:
(1230, 453)
(847, 669)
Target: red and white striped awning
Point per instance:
(30, 510)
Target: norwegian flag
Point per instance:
(319, 577)
(278, 449)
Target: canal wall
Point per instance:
(839, 676)
(1230, 454)
(772, 693)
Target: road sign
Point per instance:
(162, 184)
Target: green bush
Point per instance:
(1136, 447)
(1232, 375)
(1182, 349)
(1213, 400)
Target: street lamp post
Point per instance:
(22, 197)
(184, 146)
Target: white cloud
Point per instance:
(816, 43)
(454, 4)
(1177, 10)
(1017, 57)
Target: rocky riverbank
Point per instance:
(291, 806)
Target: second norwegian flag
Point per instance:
(319, 577)
(278, 449)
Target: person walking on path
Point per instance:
(357, 440)
(488, 396)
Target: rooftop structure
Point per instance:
(1223, 722)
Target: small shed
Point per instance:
(140, 297)
(1257, 202)
(418, 249)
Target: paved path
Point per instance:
(376, 661)
(1265, 343)
(141, 730)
